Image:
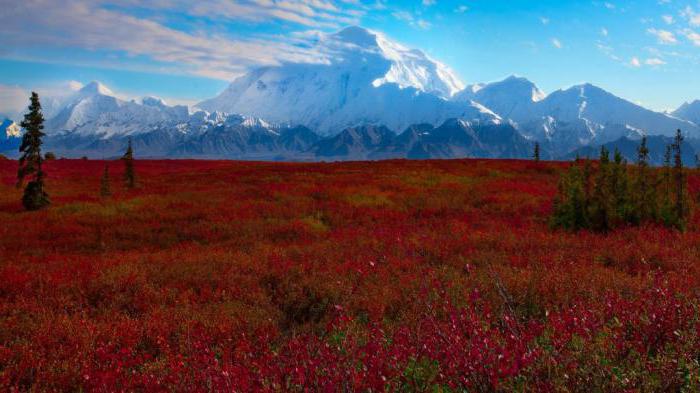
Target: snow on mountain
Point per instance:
(94, 110)
(369, 80)
(512, 98)
(10, 138)
(689, 111)
(572, 117)
(11, 129)
(597, 106)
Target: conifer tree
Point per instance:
(666, 207)
(30, 161)
(645, 206)
(104, 183)
(601, 204)
(536, 155)
(619, 184)
(570, 205)
(128, 158)
(587, 185)
(682, 207)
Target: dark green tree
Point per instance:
(128, 158)
(619, 186)
(569, 204)
(644, 196)
(666, 211)
(682, 201)
(536, 154)
(601, 206)
(104, 183)
(35, 197)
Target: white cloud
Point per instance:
(313, 13)
(407, 17)
(634, 62)
(428, 3)
(15, 99)
(692, 36)
(557, 44)
(84, 24)
(545, 21)
(461, 9)
(654, 62)
(604, 32)
(691, 15)
(668, 19)
(663, 36)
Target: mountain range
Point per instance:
(373, 99)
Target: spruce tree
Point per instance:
(569, 204)
(128, 158)
(645, 206)
(536, 155)
(619, 184)
(601, 203)
(666, 209)
(682, 207)
(30, 161)
(104, 183)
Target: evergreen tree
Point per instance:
(30, 161)
(666, 208)
(619, 186)
(536, 155)
(104, 183)
(128, 158)
(607, 198)
(569, 204)
(645, 203)
(601, 203)
(587, 184)
(682, 206)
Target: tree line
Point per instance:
(31, 160)
(610, 193)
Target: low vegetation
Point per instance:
(382, 276)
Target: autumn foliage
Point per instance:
(373, 276)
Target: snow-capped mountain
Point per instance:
(513, 98)
(10, 137)
(10, 129)
(689, 111)
(351, 107)
(569, 118)
(601, 107)
(369, 80)
(94, 110)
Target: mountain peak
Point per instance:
(689, 111)
(358, 36)
(94, 88)
(153, 101)
(11, 129)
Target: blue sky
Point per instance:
(185, 51)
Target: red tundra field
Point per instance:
(377, 276)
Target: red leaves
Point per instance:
(228, 276)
